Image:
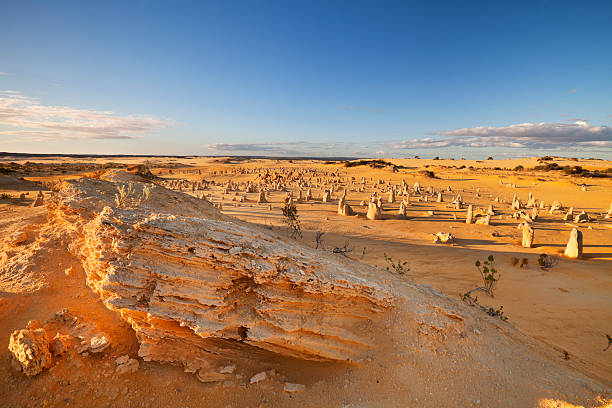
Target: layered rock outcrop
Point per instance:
(198, 286)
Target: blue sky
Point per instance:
(307, 78)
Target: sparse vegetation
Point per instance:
(5, 196)
(520, 262)
(400, 267)
(547, 261)
(343, 250)
(126, 196)
(473, 301)
(609, 342)
(291, 218)
(489, 275)
(571, 170)
(427, 173)
(377, 164)
(319, 239)
(519, 168)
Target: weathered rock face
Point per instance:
(196, 285)
(30, 350)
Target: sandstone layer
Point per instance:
(197, 286)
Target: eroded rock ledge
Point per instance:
(198, 286)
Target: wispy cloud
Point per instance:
(573, 90)
(365, 108)
(299, 148)
(30, 120)
(3, 73)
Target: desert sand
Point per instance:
(193, 293)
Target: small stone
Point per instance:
(228, 369)
(19, 238)
(258, 377)
(210, 376)
(98, 344)
(291, 387)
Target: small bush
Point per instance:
(547, 261)
(378, 163)
(126, 196)
(489, 275)
(519, 168)
(401, 267)
(292, 219)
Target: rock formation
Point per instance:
(527, 236)
(443, 238)
(469, 219)
(40, 200)
(402, 211)
(262, 197)
(374, 212)
(30, 350)
(195, 284)
(574, 245)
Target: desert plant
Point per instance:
(122, 196)
(609, 342)
(146, 191)
(319, 239)
(489, 275)
(292, 219)
(473, 301)
(547, 261)
(5, 196)
(126, 195)
(401, 267)
(343, 250)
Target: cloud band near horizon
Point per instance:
(28, 119)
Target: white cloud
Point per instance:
(538, 133)
(573, 90)
(524, 135)
(3, 73)
(31, 120)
